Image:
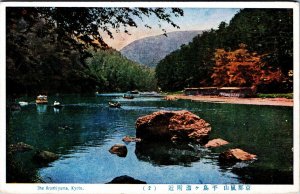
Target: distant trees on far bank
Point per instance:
(267, 32)
(112, 72)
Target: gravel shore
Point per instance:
(233, 100)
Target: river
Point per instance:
(83, 131)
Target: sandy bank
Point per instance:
(233, 100)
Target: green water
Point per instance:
(83, 131)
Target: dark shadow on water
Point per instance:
(20, 171)
(252, 175)
(166, 153)
(249, 173)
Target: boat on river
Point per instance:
(41, 99)
(128, 96)
(150, 94)
(57, 105)
(114, 104)
(23, 103)
(109, 94)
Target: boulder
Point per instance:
(44, 157)
(119, 149)
(235, 155)
(216, 143)
(174, 126)
(131, 139)
(126, 180)
(19, 147)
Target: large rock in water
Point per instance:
(119, 149)
(45, 157)
(126, 180)
(20, 147)
(174, 126)
(216, 143)
(129, 139)
(235, 155)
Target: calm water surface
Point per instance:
(85, 129)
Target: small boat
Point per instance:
(150, 94)
(128, 96)
(109, 94)
(23, 103)
(114, 104)
(41, 99)
(57, 104)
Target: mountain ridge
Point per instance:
(150, 50)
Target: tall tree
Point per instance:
(243, 68)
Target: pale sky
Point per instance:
(193, 19)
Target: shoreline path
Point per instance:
(233, 100)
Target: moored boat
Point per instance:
(41, 99)
(23, 103)
(57, 104)
(150, 94)
(114, 104)
(128, 96)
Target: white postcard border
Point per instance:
(159, 188)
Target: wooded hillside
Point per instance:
(266, 32)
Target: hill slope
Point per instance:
(150, 50)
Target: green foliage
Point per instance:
(190, 66)
(113, 72)
(40, 63)
(288, 95)
(268, 32)
(86, 23)
(174, 93)
(47, 46)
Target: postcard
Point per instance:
(149, 97)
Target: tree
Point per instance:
(190, 66)
(47, 47)
(84, 23)
(267, 32)
(243, 68)
(112, 72)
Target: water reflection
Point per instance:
(56, 110)
(83, 134)
(166, 153)
(41, 108)
(254, 175)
